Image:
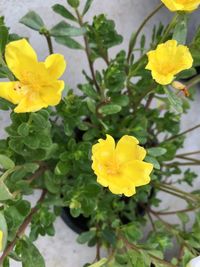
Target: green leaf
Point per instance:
(65, 29)
(62, 168)
(87, 7)
(39, 120)
(4, 229)
(15, 215)
(60, 9)
(121, 100)
(109, 109)
(31, 167)
(23, 129)
(69, 42)
(91, 104)
(99, 263)
(31, 256)
(4, 192)
(88, 90)
(86, 237)
(180, 30)
(6, 163)
(153, 161)
(174, 100)
(73, 3)
(3, 38)
(33, 21)
(183, 217)
(156, 151)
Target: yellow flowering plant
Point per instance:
(108, 155)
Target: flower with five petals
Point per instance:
(37, 84)
(120, 168)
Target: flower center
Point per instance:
(29, 83)
(112, 167)
(21, 89)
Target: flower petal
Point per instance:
(30, 103)
(161, 78)
(55, 65)
(137, 172)
(52, 94)
(1, 240)
(20, 56)
(104, 150)
(177, 5)
(128, 149)
(8, 92)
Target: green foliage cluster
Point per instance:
(50, 150)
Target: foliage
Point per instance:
(50, 150)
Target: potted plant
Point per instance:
(106, 153)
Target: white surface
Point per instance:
(62, 250)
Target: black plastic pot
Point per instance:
(78, 225)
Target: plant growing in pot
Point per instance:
(104, 154)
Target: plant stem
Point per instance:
(188, 153)
(178, 193)
(132, 43)
(173, 188)
(22, 228)
(190, 159)
(49, 43)
(87, 50)
(37, 174)
(180, 134)
(168, 29)
(193, 81)
(171, 229)
(176, 211)
(136, 248)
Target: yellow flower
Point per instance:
(181, 5)
(168, 60)
(1, 240)
(38, 85)
(120, 168)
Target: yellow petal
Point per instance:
(30, 103)
(181, 5)
(1, 240)
(128, 149)
(104, 150)
(137, 172)
(167, 60)
(52, 94)
(8, 91)
(161, 78)
(20, 56)
(55, 65)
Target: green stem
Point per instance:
(169, 28)
(135, 36)
(49, 43)
(176, 211)
(87, 50)
(174, 189)
(180, 134)
(175, 194)
(187, 158)
(189, 153)
(193, 81)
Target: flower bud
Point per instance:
(178, 85)
(194, 262)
